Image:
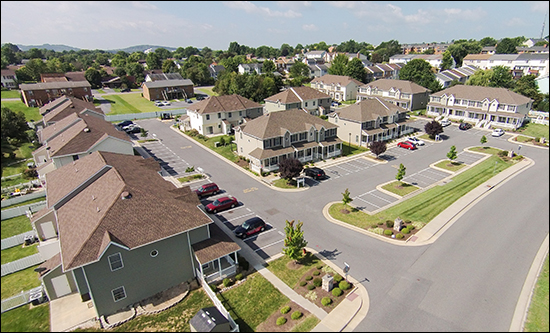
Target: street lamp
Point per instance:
(349, 143)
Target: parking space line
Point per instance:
(370, 203)
(238, 217)
(263, 247)
(374, 195)
(338, 166)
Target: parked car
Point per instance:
(132, 128)
(124, 123)
(125, 90)
(189, 101)
(315, 173)
(159, 103)
(250, 227)
(221, 204)
(336, 104)
(497, 132)
(445, 122)
(165, 103)
(415, 140)
(464, 126)
(207, 189)
(407, 145)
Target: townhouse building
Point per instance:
(522, 63)
(9, 78)
(403, 93)
(293, 133)
(338, 87)
(38, 94)
(311, 100)
(485, 107)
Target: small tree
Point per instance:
(483, 140)
(346, 199)
(294, 241)
(433, 128)
(400, 172)
(143, 132)
(222, 140)
(452, 153)
(290, 168)
(377, 147)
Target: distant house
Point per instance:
(382, 71)
(306, 98)
(38, 94)
(64, 106)
(250, 68)
(293, 133)
(525, 63)
(372, 119)
(168, 89)
(152, 77)
(317, 69)
(215, 70)
(434, 60)
(485, 107)
(62, 77)
(220, 114)
(74, 137)
(9, 79)
(338, 87)
(316, 55)
(403, 93)
(120, 233)
(461, 75)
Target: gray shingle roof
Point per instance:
(225, 103)
(403, 85)
(478, 93)
(168, 83)
(368, 110)
(296, 95)
(337, 79)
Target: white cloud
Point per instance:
(144, 5)
(310, 27)
(250, 8)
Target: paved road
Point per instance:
(468, 280)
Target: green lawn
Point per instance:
(130, 103)
(28, 202)
(207, 91)
(400, 188)
(18, 252)
(292, 276)
(27, 319)
(225, 150)
(24, 280)
(252, 302)
(537, 316)
(10, 94)
(15, 226)
(535, 130)
(451, 166)
(31, 114)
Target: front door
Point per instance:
(61, 285)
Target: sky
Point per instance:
(108, 25)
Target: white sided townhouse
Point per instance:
(220, 114)
(338, 87)
(306, 98)
(294, 133)
(403, 93)
(485, 107)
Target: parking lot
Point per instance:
(169, 161)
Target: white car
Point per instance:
(415, 140)
(165, 103)
(497, 132)
(445, 122)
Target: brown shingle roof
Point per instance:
(336, 79)
(275, 124)
(63, 106)
(225, 103)
(98, 215)
(49, 131)
(479, 93)
(218, 245)
(368, 109)
(296, 95)
(402, 85)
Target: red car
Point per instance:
(407, 145)
(222, 203)
(207, 189)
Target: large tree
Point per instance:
(94, 77)
(506, 46)
(447, 61)
(338, 65)
(356, 70)
(377, 147)
(420, 72)
(14, 125)
(527, 86)
(290, 168)
(433, 128)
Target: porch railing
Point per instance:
(217, 302)
(220, 275)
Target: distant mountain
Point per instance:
(61, 48)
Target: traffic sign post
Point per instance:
(346, 270)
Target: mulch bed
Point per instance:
(319, 291)
(405, 236)
(270, 325)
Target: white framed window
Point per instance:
(118, 293)
(207, 117)
(154, 253)
(115, 261)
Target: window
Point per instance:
(303, 136)
(115, 260)
(118, 293)
(219, 115)
(306, 104)
(75, 157)
(154, 253)
(240, 113)
(207, 117)
(229, 114)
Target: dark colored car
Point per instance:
(132, 129)
(315, 173)
(222, 203)
(207, 189)
(125, 90)
(407, 145)
(464, 126)
(250, 227)
(124, 123)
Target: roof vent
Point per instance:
(125, 195)
(86, 130)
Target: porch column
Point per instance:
(220, 267)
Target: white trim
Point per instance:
(113, 294)
(111, 263)
(151, 253)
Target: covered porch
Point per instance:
(216, 256)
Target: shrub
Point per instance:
(317, 282)
(400, 235)
(336, 292)
(503, 153)
(285, 309)
(239, 277)
(388, 232)
(320, 266)
(303, 283)
(190, 169)
(309, 277)
(337, 278)
(344, 285)
(326, 301)
(227, 282)
(316, 273)
(389, 223)
(214, 288)
(30, 173)
(281, 321)
(380, 223)
(407, 221)
(405, 230)
(296, 315)
(310, 287)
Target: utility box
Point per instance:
(328, 282)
